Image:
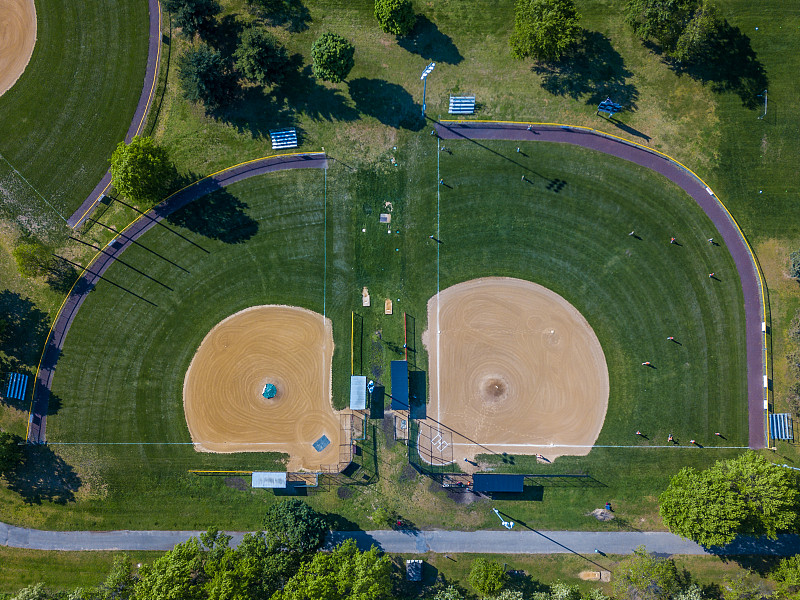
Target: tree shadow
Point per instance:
(729, 64)
(225, 35)
(291, 14)
(25, 331)
(431, 44)
(218, 216)
(388, 102)
(43, 476)
(301, 90)
(520, 581)
(592, 71)
(62, 277)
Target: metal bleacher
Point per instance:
(283, 138)
(16, 386)
(780, 426)
(462, 105)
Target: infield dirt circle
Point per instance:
(286, 346)
(514, 368)
(17, 39)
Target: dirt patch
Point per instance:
(237, 483)
(344, 492)
(601, 514)
(17, 39)
(514, 369)
(288, 347)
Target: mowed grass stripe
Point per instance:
(633, 292)
(62, 119)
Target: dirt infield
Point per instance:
(287, 346)
(515, 368)
(17, 39)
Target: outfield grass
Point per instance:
(62, 119)
(265, 240)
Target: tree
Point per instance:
(794, 265)
(260, 57)
(343, 574)
(177, 575)
(685, 29)
(33, 258)
(193, 16)
(544, 29)
(35, 591)
(120, 581)
(141, 170)
(332, 57)
(744, 586)
(487, 577)
(293, 526)
(643, 576)
(787, 578)
(10, 451)
(449, 593)
(745, 495)
(204, 77)
(395, 16)
(699, 34)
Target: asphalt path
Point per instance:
(93, 273)
(517, 541)
(704, 197)
(137, 123)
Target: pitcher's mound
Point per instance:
(515, 369)
(223, 394)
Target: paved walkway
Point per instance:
(692, 186)
(139, 115)
(416, 542)
(93, 273)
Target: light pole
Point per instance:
(428, 70)
(506, 524)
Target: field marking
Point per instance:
(490, 444)
(438, 303)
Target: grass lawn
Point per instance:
(60, 122)
(58, 570)
(119, 447)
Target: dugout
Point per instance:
(489, 483)
(399, 385)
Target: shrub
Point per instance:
(395, 16)
(260, 57)
(333, 57)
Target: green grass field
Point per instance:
(117, 431)
(60, 122)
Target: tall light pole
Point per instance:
(428, 70)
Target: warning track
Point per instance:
(754, 304)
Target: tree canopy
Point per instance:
(787, 578)
(293, 526)
(343, 574)
(204, 76)
(141, 170)
(683, 28)
(744, 495)
(395, 16)
(193, 16)
(794, 264)
(260, 57)
(643, 576)
(544, 29)
(33, 258)
(332, 57)
(487, 577)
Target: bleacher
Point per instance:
(283, 138)
(780, 427)
(462, 105)
(16, 386)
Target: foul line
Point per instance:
(438, 299)
(550, 446)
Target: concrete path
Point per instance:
(416, 542)
(734, 242)
(37, 420)
(139, 115)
